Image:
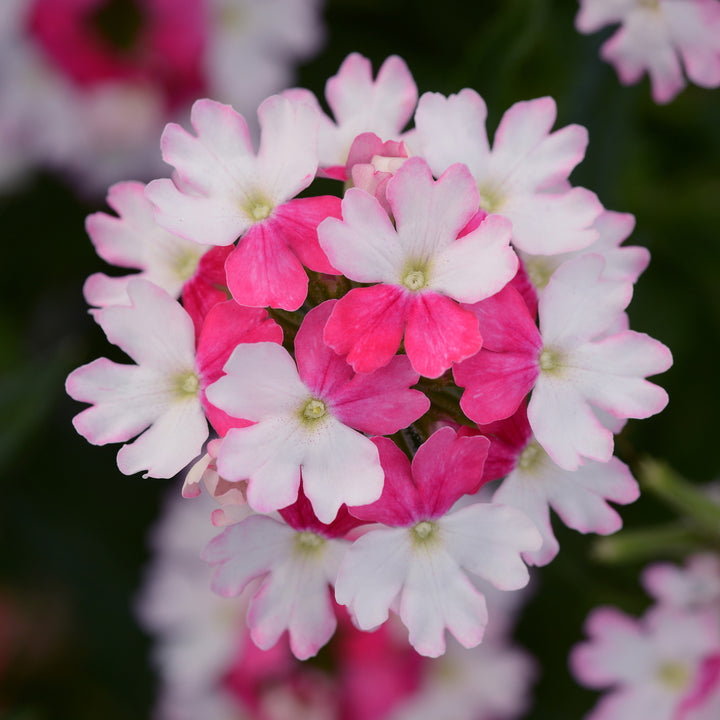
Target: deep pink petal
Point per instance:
(300, 516)
(381, 402)
(446, 467)
(319, 366)
(367, 325)
(227, 325)
(297, 222)
(439, 332)
(206, 288)
(508, 438)
(505, 323)
(399, 504)
(263, 270)
(495, 384)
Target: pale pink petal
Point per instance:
(523, 136)
(245, 551)
(208, 162)
(261, 381)
(155, 331)
(287, 159)
(383, 106)
(340, 466)
(436, 595)
(367, 324)
(595, 14)
(565, 425)
(100, 290)
(578, 304)
(372, 575)
(295, 597)
(617, 650)
(206, 220)
(477, 265)
(611, 374)
(169, 444)
(545, 223)
(487, 540)
(126, 399)
(439, 332)
(528, 496)
(430, 214)
(452, 130)
(579, 497)
(364, 245)
(268, 455)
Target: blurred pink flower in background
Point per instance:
(87, 85)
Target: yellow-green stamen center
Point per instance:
(550, 360)
(673, 675)
(424, 533)
(188, 384)
(491, 199)
(308, 542)
(530, 457)
(314, 409)
(415, 280)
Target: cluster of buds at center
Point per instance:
(369, 362)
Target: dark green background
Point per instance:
(74, 529)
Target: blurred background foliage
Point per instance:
(74, 529)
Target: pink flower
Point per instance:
(135, 240)
(649, 665)
(695, 586)
(570, 364)
(297, 563)
(422, 265)
(625, 263)
(419, 562)
(655, 36)
(162, 396)
(535, 484)
(518, 177)
(310, 417)
(223, 192)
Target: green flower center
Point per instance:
(423, 534)
(308, 543)
(550, 360)
(539, 271)
(314, 409)
(187, 385)
(415, 280)
(491, 198)
(531, 457)
(674, 675)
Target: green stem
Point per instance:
(675, 540)
(688, 499)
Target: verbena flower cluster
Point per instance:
(368, 362)
(666, 664)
